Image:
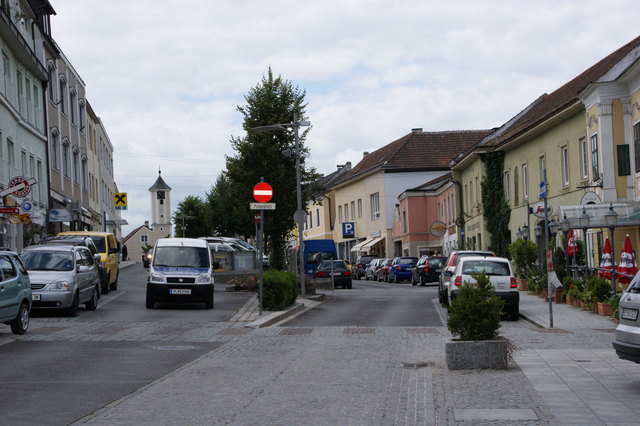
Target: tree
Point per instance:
(228, 216)
(191, 218)
(263, 156)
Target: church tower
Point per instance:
(161, 206)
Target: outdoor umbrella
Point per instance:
(605, 263)
(571, 244)
(628, 264)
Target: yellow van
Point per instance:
(109, 257)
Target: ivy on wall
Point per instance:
(496, 211)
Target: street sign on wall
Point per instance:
(348, 230)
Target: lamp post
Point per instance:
(611, 219)
(525, 232)
(300, 216)
(584, 224)
(538, 230)
(565, 225)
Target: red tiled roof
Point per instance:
(565, 95)
(419, 151)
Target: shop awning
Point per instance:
(628, 214)
(358, 247)
(370, 243)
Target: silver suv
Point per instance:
(627, 338)
(15, 292)
(62, 277)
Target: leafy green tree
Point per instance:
(192, 213)
(228, 216)
(270, 156)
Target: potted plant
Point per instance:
(474, 316)
(601, 291)
(523, 255)
(614, 302)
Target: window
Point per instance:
(543, 167)
(346, 211)
(50, 88)
(65, 159)
(55, 147)
(20, 90)
(584, 159)
(595, 166)
(39, 177)
(76, 167)
(516, 186)
(340, 214)
(507, 186)
(525, 182)
(318, 217)
(62, 94)
(84, 173)
(144, 238)
(624, 162)
(359, 208)
(404, 221)
(466, 197)
(23, 161)
(375, 205)
(636, 145)
(11, 155)
(478, 195)
(353, 210)
(72, 105)
(564, 157)
(6, 67)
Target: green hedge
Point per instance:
(279, 290)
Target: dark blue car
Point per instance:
(402, 268)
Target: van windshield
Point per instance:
(181, 257)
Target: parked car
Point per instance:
(361, 264)
(370, 272)
(401, 269)
(86, 241)
(627, 338)
(500, 273)
(383, 269)
(337, 270)
(62, 277)
(109, 256)
(450, 264)
(428, 270)
(15, 292)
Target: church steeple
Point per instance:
(160, 202)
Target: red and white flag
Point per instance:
(605, 262)
(628, 264)
(571, 244)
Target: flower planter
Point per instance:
(477, 354)
(604, 308)
(558, 296)
(522, 284)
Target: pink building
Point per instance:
(424, 219)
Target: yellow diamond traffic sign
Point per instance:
(120, 200)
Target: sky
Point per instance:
(166, 76)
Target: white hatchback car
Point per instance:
(627, 338)
(500, 273)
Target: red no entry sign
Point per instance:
(262, 192)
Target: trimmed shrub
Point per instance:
(476, 312)
(279, 289)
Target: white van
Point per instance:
(181, 271)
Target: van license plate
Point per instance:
(180, 291)
(630, 314)
(35, 297)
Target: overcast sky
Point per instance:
(165, 76)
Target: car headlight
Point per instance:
(157, 278)
(203, 279)
(61, 285)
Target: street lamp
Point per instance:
(565, 225)
(300, 216)
(538, 230)
(525, 232)
(584, 224)
(611, 219)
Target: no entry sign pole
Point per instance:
(262, 193)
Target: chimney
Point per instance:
(364, 154)
(348, 165)
(146, 223)
(416, 130)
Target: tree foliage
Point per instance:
(496, 210)
(193, 214)
(228, 216)
(269, 157)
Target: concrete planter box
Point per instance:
(477, 354)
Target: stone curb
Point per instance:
(274, 317)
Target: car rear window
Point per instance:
(407, 260)
(491, 267)
(436, 263)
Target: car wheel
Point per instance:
(114, 285)
(150, 302)
(413, 280)
(92, 304)
(73, 309)
(423, 282)
(350, 285)
(21, 323)
(396, 279)
(208, 302)
(440, 299)
(514, 313)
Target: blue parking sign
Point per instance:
(348, 230)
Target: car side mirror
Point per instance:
(448, 273)
(82, 268)
(96, 257)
